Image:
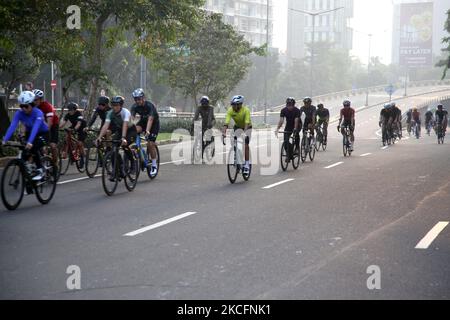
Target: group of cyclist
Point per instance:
(436, 121)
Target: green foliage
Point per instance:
(210, 60)
(445, 63)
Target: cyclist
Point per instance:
(292, 115)
(408, 121)
(416, 118)
(347, 119)
(77, 123)
(441, 116)
(428, 120)
(51, 119)
(323, 117)
(386, 118)
(148, 123)
(118, 121)
(102, 109)
(310, 115)
(208, 119)
(36, 130)
(397, 118)
(241, 116)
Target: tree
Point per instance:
(211, 60)
(445, 63)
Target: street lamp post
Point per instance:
(265, 64)
(313, 15)
(368, 71)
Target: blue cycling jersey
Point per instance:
(33, 122)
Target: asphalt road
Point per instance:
(312, 236)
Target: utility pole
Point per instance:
(143, 82)
(313, 15)
(368, 71)
(266, 63)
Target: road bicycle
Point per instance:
(346, 141)
(72, 152)
(202, 148)
(94, 156)
(307, 146)
(235, 163)
(321, 140)
(18, 176)
(416, 129)
(119, 163)
(440, 133)
(290, 152)
(428, 126)
(145, 163)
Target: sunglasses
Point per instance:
(24, 106)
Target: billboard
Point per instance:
(416, 34)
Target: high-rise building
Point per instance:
(331, 27)
(249, 17)
(439, 7)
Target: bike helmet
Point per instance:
(440, 106)
(204, 101)
(346, 103)
(103, 100)
(387, 105)
(38, 93)
(138, 93)
(72, 106)
(290, 100)
(307, 99)
(320, 105)
(118, 100)
(237, 100)
(26, 97)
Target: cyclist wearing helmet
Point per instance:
(292, 115)
(241, 116)
(208, 119)
(51, 119)
(77, 123)
(36, 130)
(408, 120)
(148, 123)
(416, 118)
(323, 117)
(397, 118)
(428, 118)
(102, 109)
(441, 116)
(310, 112)
(347, 119)
(386, 115)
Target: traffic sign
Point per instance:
(390, 89)
(53, 84)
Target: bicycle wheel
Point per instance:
(45, 188)
(197, 152)
(13, 184)
(65, 163)
(131, 170)
(232, 167)
(110, 173)
(92, 161)
(312, 148)
(303, 150)
(157, 167)
(284, 157)
(344, 146)
(210, 151)
(318, 142)
(324, 143)
(80, 163)
(296, 158)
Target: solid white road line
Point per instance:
(278, 183)
(159, 224)
(334, 165)
(365, 155)
(78, 179)
(431, 235)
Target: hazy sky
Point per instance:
(370, 16)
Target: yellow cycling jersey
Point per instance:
(240, 118)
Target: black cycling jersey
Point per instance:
(409, 115)
(73, 119)
(290, 115)
(387, 114)
(322, 114)
(145, 111)
(309, 112)
(441, 114)
(207, 114)
(99, 113)
(428, 115)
